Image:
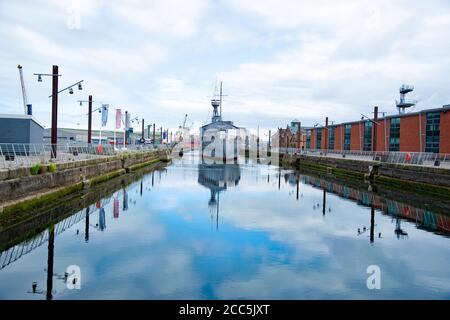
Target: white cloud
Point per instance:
(278, 59)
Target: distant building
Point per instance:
(20, 128)
(68, 135)
(422, 131)
(290, 137)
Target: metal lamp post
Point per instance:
(54, 96)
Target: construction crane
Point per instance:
(184, 122)
(181, 129)
(26, 106)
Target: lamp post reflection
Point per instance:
(50, 260)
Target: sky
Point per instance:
(278, 60)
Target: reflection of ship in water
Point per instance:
(217, 178)
(219, 138)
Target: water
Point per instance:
(244, 232)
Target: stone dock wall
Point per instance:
(430, 180)
(19, 185)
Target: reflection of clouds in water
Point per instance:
(168, 274)
(269, 246)
(342, 276)
(278, 282)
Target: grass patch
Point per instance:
(34, 170)
(141, 165)
(52, 167)
(107, 177)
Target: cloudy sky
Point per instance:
(278, 60)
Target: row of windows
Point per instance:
(347, 136)
(432, 134)
(308, 139)
(319, 138)
(394, 135)
(367, 136)
(331, 138)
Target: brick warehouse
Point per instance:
(422, 131)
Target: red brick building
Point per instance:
(423, 131)
(290, 137)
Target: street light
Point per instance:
(55, 74)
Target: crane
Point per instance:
(184, 122)
(24, 92)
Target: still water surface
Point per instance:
(251, 231)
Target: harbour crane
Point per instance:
(181, 128)
(184, 122)
(26, 106)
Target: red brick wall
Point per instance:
(444, 142)
(410, 131)
(338, 137)
(324, 138)
(355, 140)
(382, 136)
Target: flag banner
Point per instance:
(118, 118)
(105, 108)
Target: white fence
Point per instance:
(14, 155)
(410, 158)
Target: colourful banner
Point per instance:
(105, 108)
(118, 118)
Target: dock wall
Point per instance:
(20, 186)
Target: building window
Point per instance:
(394, 135)
(368, 136)
(432, 132)
(347, 136)
(319, 138)
(331, 138)
(308, 139)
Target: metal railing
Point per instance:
(399, 157)
(15, 155)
